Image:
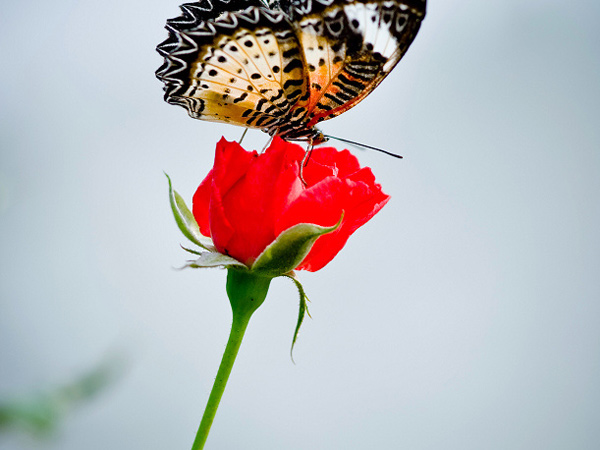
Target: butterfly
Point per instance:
(284, 65)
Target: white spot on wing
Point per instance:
(376, 33)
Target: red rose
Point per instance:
(248, 199)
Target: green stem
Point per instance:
(246, 293)
(238, 328)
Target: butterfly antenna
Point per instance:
(243, 136)
(358, 144)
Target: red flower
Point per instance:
(248, 199)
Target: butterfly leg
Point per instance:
(267, 144)
(305, 160)
(243, 136)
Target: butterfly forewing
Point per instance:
(246, 69)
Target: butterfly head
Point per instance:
(318, 138)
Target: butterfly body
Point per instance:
(286, 67)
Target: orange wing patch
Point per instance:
(349, 49)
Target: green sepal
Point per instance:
(215, 259)
(302, 310)
(193, 252)
(290, 248)
(185, 220)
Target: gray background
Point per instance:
(464, 316)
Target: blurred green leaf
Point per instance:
(41, 413)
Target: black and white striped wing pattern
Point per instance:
(350, 47)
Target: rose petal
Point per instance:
(344, 161)
(232, 163)
(253, 203)
(320, 204)
(323, 204)
(201, 202)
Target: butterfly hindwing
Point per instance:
(350, 47)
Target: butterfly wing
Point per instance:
(193, 15)
(350, 46)
(243, 67)
(284, 65)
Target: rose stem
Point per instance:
(246, 293)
